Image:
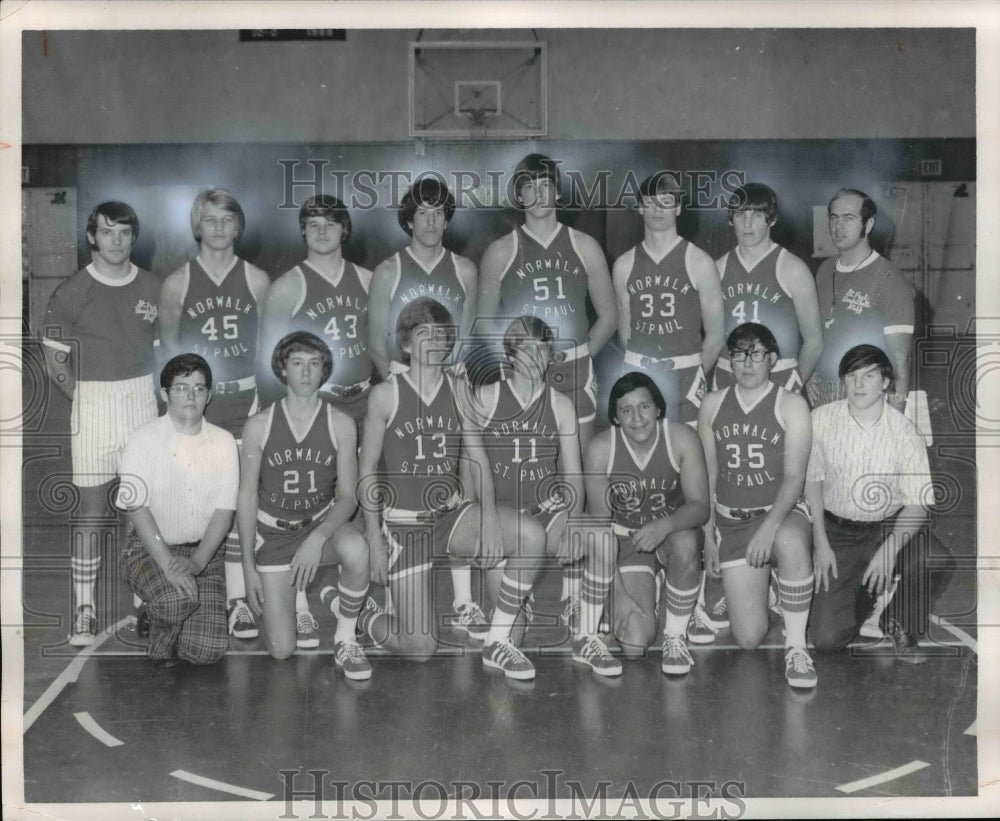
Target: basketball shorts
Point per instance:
(415, 538)
(733, 535)
(681, 380)
(275, 547)
(785, 374)
(572, 373)
(631, 560)
(230, 409)
(103, 414)
(352, 402)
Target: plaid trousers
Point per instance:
(194, 630)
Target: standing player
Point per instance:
(211, 306)
(425, 268)
(863, 300)
(529, 434)
(669, 303)
(647, 474)
(98, 344)
(418, 510)
(328, 296)
(547, 269)
(765, 283)
(756, 437)
(298, 472)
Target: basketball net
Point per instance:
(478, 121)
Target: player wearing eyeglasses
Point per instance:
(757, 438)
(179, 476)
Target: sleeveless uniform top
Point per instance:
(336, 310)
(642, 488)
(220, 321)
(298, 476)
(107, 325)
(757, 295)
(749, 450)
(421, 448)
(548, 280)
(664, 308)
(413, 280)
(521, 439)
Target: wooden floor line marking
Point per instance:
(86, 720)
(957, 632)
(971, 730)
(882, 778)
(70, 674)
(222, 786)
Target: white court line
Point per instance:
(222, 786)
(971, 730)
(70, 674)
(961, 635)
(96, 730)
(881, 778)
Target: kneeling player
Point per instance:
(757, 437)
(648, 475)
(530, 436)
(297, 477)
(420, 513)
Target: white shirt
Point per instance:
(868, 474)
(182, 479)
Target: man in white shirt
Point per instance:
(868, 485)
(179, 479)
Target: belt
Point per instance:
(399, 515)
(235, 385)
(287, 524)
(642, 361)
(855, 524)
(741, 513)
(345, 391)
(571, 353)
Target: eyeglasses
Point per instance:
(741, 354)
(199, 391)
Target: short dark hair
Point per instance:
(660, 183)
(864, 356)
(868, 209)
(294, 343)
(754, 196)
(430, 192)
(220, 198)
(114, 212)
(744, 336)
(183, 365)
(630, 382)
(329, 207)
(527, 327)
(531, 168)
(423, 311)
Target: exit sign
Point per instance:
(930, 168)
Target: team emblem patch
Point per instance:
(147, 310)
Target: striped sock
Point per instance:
(351, 602)
(796, 599)
(572, 580)
(680, 605)
(367, 621)
(509, 600)
(84, 574)
(593, 594)
(236, 586)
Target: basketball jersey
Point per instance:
(108, 326)
(548, 280)
(749, 449)
(664, 307)
(757, 295)
(643, 488)
(423, 439)
(439, 281)
(298, 476)
(521, 439)
(220, 321)
(336, 310)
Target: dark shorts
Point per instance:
(275, 548)
(575, 378)
(733, 535)
(683, 388)
(231, 410)
(631, 560)
(414, 542)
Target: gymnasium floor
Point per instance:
(103, 725)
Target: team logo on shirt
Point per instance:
(856, 301)
(147, 310)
